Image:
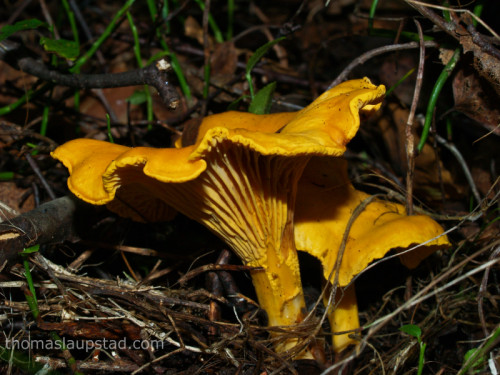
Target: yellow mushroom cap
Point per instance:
(326, 200)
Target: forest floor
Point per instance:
(72, 272)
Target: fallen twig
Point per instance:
(463, 164)
(410, 141)
(39, 174)
(155, 74)
(216, 267)
(375, 52)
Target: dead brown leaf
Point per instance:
(430, 172)
(224, 62)
(486, 64)
(12, 196)
(193, 29)
(474, 98)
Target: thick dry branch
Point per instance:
(154, 74)
(52, 222)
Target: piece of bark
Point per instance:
(51, 222)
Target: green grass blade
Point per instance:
(137, 52)
(412, 330)
(30, 294)
(105, 35)
(230, 19)
(261, 103)
(480, 352)
(213, 25)
(6, 176)
(206, 77)
(8, 30)
(174, 61)
(254, 59)
(373, 7)
(400, 81)
(259, 53)
(429, 115)
(45, 120)
(108, 125)
(478, 9)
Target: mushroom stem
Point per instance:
(249, 201)
(278, 286)
(342, 315)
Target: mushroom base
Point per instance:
(280, 295)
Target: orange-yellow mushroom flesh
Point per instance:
(239, 179)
